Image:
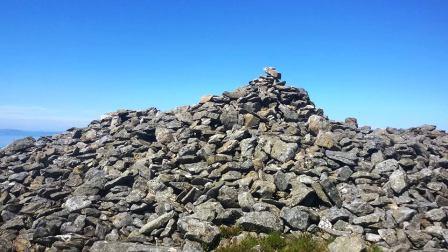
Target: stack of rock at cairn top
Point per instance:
(261, 157)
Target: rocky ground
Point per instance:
(262, 158)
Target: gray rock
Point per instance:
(208, 211)
(163, 135)
(228, 197)
(418, 238)
(74, 227)
(282, 151)
(402, 214)
(20, 145)
(251, 121)
(281, 181)
(398, 181)
(325, 139)
(317, 123)
(317, 187)
(289, 113)
(388, 235)
(247, 147)
(386, 166)
(192, 246)
(76, 203)
(358, 207)
(347, 244)
(295, 218)
(231, 176)
(200, 231)
(301, 195)
(157, 222)
(122, 180)
(246, 201)
(105, 246)
(18, 177)
(121, 220)
(229, 116)
(366, 220)
(261, 222)
(334, 214)
(373, 237)
(437, 214)
(351, 121)
(348, 158)
(332, 192)
(271, 71)
(195, 168)
(264, 189)
(14, 223)
(227, 147)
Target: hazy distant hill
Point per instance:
(9, 135)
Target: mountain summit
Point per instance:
(262, 158)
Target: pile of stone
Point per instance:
(261, 157)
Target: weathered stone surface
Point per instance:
(403, 214)
(246, 201)
(436, 214)
(398, 181)
(317, 123)
(347, 158)
(332, 192)
(251, 121)
(77, 202)
(366, 220)
(197, 230)
(283, 151)
(325, 139)
(347, 244)
(261, 222)
(418, 238)
(192, 246)
(386, 166)
(105, 246)
(295, 218)
(164, 135)
(157, 222)
(300, 195)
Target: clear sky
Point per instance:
(64, 63)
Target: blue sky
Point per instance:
(65, 63)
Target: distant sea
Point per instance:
(7, 136)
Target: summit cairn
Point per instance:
(261, 157)
(272, 72)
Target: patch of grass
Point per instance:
(374, 248)
(229, 232)
(306, 243)
(276, 242)
(273, 242)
